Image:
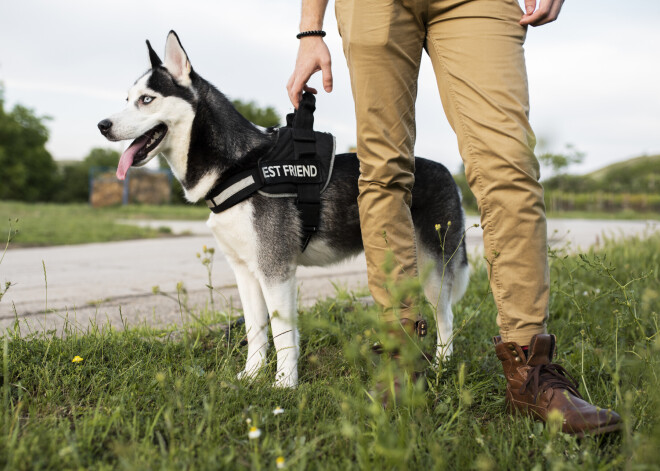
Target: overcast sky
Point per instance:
(594, 74)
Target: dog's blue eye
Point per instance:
(146, 99)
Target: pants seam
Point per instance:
(477, 169)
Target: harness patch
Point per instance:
(290, 171)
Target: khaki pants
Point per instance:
(476, 47)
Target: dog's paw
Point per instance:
(252, 367)
(248, 374)
(443, 353)
(286, 380)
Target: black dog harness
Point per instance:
(298, 165)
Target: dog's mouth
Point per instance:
(139, 149)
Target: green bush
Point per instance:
(28, 170)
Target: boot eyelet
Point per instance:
(518, 360)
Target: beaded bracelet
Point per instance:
(316, 32)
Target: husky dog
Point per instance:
(174, 112)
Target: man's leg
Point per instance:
(477, 53)
(383, 44)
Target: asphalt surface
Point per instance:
(113, 283)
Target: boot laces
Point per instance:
(551, 375)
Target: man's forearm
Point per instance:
(311, 17)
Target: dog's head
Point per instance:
(159, 111)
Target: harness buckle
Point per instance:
(421, 327)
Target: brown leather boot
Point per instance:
(535, 386)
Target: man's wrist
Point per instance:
(311, 33)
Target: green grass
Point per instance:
(169, 399)
(62, 224)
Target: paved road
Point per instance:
(113, 282)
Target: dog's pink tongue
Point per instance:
(126, 159)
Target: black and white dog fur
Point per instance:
(174, 112)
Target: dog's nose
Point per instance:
(104, 126)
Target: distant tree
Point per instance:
(102, 157)
(27, 170)
(74, 177)
(559, 162)
(261, 116)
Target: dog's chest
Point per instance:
(234, 231)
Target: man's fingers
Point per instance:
(547, 12)
(530, 6)
(533, 19)
(537, 19)
(556, 8)
(294, 91)
(326, 71)
(289, 84)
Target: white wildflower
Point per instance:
(254, 433)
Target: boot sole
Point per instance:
(526, 411)
(598, 431)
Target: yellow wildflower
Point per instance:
(76, 359)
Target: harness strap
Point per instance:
(304, 148)
(234, 190)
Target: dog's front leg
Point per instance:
(282, 306)
(256, 319)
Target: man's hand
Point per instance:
(547, 12)
(313, 55)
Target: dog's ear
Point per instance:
(176, 60)
(153, 57)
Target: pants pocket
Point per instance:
(364, 22)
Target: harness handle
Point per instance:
(303, 117)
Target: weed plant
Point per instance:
(145, 398)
